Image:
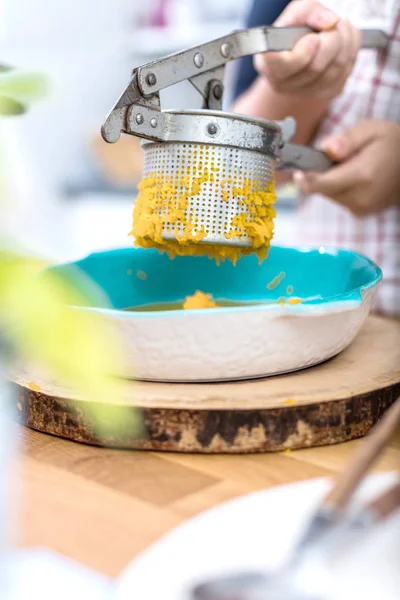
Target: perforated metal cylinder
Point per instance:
(217, 182)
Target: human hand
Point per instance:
(320, 63)
(367, 178)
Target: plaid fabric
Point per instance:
(372, 92)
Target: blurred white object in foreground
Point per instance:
(46, 575)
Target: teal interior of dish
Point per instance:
(137, 277)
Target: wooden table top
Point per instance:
(102, 507)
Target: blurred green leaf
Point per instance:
(10, 107)
(76, 345)
(22, 86)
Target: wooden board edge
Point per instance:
(214, 430)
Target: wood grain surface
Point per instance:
(334, 402)
(102, 507)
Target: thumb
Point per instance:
(344, 145)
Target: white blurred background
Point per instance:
(72, 193)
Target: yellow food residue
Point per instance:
(290, 402)
(276, 281)
(281, 301)
(142, 275)
(289, 290)
(287, 451)
(34, 386)
(199, 300)
(169, 203)
(294, 300)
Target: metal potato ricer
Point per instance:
(209, 174)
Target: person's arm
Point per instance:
(303, 82)
(261, 13)
(367, 177)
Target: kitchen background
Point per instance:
(73, 193)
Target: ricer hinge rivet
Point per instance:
(212, 129)
(226, 50)
(153, 122)
(151, 79)
(217, 91)
(198, 60)
(139, 119)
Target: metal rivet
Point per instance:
(226, 50)
(151, 79)
(198, 60)
(212, 129)
(153, 122)
(139, 118)
(217, 91)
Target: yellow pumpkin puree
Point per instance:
(164, 199)
(199, 300)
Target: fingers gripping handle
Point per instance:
(301, 158)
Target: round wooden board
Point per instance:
(333, 402)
